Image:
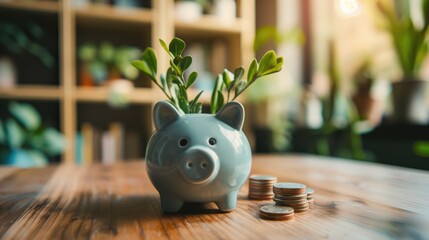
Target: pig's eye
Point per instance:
(183, 142)
(212, 141)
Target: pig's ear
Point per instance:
(164, 113)
(232, 114)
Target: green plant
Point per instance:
(410, 38)
(17, 41)
(228, 85)
(106, 57)
(24, 141)
(271, 33)
(351, 143)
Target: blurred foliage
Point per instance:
(269, 33)
(105, 58)
(339, 115)
(409, 30)
(18, 41)
(24, 141)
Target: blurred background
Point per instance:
(354, 82)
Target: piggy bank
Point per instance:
(198, 157)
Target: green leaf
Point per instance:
(214, 99)
(193, 102)
(176, 80)
(268, 61)
(220, 101)
(185, 63)
(173, 89)
(164, 45)
(175, 68)
(142, 66)
(148, 63)
(238, 73)
(176, 46)
(197, 108)
(177, 60)
(26, 115)
(182, 93)
(184, 105)
(276, 68)
(253, 68)
(163, 82)
(150, 57)
(226, 77)
(240, 87)
(191, 79)
(15, 135)
(168, 77)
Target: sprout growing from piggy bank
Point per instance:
(194, 156)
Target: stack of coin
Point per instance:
(261, 187)
(274, 212)
(310, 193)
(292, 195)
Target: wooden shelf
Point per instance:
(100, 94)
(101, 12)
(207, 26)
(37, 6)
(32, 92)
(140, 27)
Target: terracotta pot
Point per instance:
(369, 108)
(409, 101)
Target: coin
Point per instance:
(289, 188)
(263, 178)
(309, 191)
(275, 217)
(290, 197)
(300, 201)
(261, 187)
(271, 209)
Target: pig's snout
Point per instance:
(199, 165)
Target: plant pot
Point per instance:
(7, 73)
(198, 157)
(369, 108)
(409, 101)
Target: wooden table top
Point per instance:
(352, 200)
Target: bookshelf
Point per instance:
(139, 26)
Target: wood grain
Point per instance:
(353, 200)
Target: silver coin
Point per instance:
(276, 210)
(289, 185)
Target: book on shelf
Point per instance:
(110, 145)
(87, 143)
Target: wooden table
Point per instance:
(353, 200)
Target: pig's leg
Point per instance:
(228, 202)
(170, 203)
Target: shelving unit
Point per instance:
(150, 24)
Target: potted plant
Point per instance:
(367, 106)
(24, 141)
(105, 63)
(410, 38)
(193, 156)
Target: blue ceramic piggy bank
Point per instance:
(198, 157)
